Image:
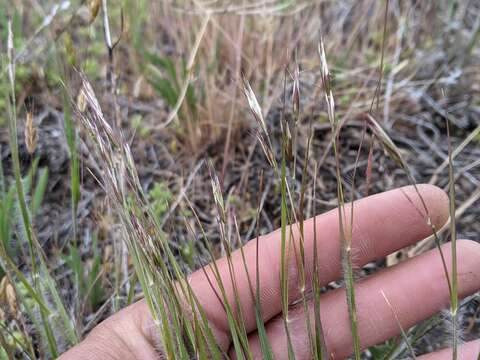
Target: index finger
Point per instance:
(382, 224)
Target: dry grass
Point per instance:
(171, 92)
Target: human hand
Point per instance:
(383, 223)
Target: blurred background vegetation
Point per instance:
(169, 77)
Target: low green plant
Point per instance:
(162, 74)
(49, 312)
(160, 197)
(88, 279)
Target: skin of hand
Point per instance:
(383, 223)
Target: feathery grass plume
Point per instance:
(31, 135)
(345, 231)
(182, 325)
(262, 133)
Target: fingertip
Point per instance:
(468, 253)
(468, 268)
(436, 201)
(470, 248)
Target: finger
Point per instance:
(128, 334)
(416, 289)
(382, 224)
(468, 351)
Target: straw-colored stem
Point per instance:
(453, 242)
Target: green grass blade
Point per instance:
(39, 190)
(69, 328)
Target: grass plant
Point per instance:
(178, 80)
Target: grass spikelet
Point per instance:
(31, 135)
(7, 295)
(296, 91)
(94, 7)
(386, 142)
(81, 101)
(217, 193)
(262, 134)
(254, 105)
(325, 74)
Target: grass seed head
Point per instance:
(7, 295)
(31, 135)
(217, 193)
(296, 92)
(324, 66)
(254, 105)
(94, 7)
(81, 101)
(325, 74)
(385, 140)
(11, 298)
(262, 133)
